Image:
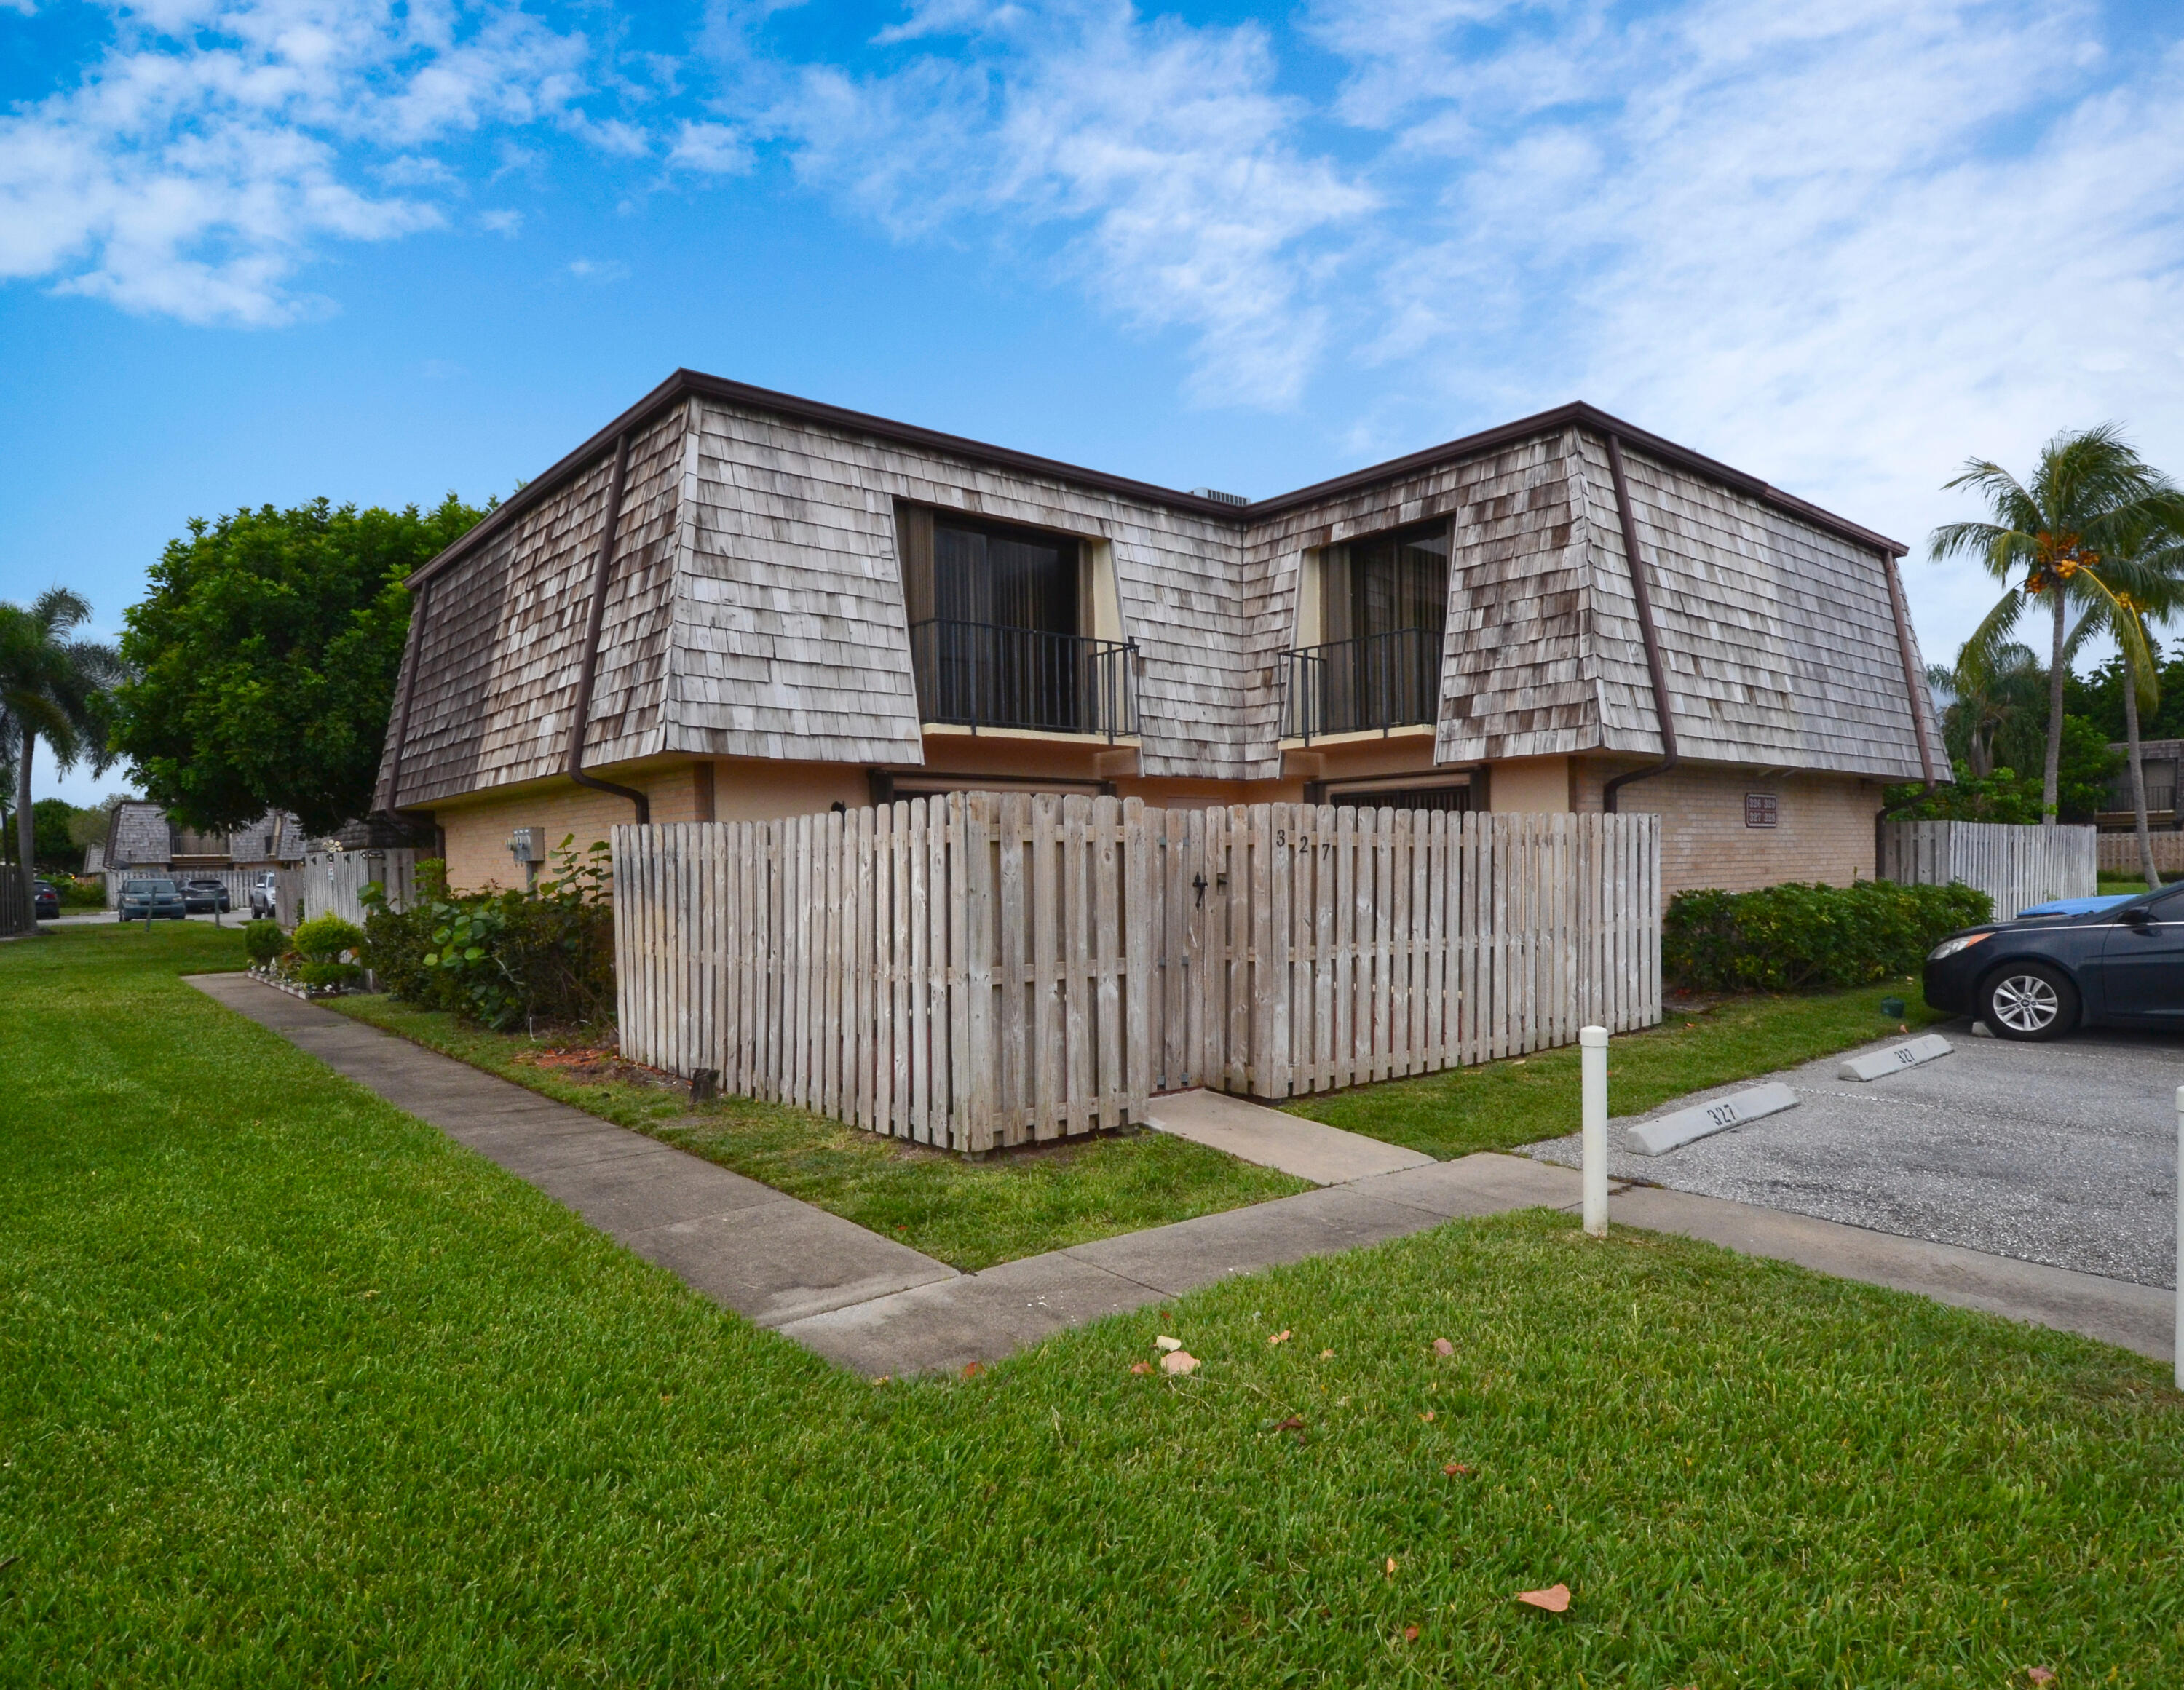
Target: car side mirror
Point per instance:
(2138, 916)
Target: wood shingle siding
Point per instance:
(756, 605)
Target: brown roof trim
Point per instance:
(1575, 415)
(689, 383)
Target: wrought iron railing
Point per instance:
(1380, 681)
(980, 675)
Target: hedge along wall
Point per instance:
(1785, 938)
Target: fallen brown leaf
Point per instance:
(1555, 1599)
(1281, 1337)
(1168, 1343)
(1141, 1367)
(1326, 1355)
(1390, 1573)
(1177, 1361)
(971, 1369)
(1294, 1423)
(1427, 1415)
(1443, 1347)
(1410, 1634)
(2039, 1675)
(1456, 1469)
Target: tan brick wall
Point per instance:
(1823, 830)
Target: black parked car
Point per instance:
(2113, 961)
(161, 898)
(204, 898)
(46, 901)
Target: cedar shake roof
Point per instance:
(756, 605)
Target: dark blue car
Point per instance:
(2079, 962)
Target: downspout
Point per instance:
(1654, 668)
(410, 659)
(597, 622)
(1913, 692)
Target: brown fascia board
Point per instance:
(691, 383)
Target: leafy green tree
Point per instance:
(265, 660)
(54, 687)
(2091, 495)
(51, 820)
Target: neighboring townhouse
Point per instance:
(140, 840)
(734, 603)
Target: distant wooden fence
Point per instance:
(2120, 853)
(2016, 866)
(332, 883)
(988, 969)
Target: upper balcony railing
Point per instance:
(1380, 680)
(982, 675)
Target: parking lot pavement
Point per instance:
(2063, 1153)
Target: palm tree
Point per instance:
(1986, 693)
(53, 686)
(2091, 495)
(2146, 574)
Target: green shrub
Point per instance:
(325, 974)
(503, 959)
(324, 939)
(262, 940)
(1789, 937)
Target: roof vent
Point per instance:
(1218, 497)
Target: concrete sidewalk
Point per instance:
(879, 1307)
(1252, 1132)
(765, 1255)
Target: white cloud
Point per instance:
(1161, 151)
(502, 221)
(713, 149)
(196, 165)
(1841, 243)
(599, 271)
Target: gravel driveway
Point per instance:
(2063, 1153)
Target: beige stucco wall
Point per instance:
(1529, 785)
(1823, 830)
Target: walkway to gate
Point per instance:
(994, 968)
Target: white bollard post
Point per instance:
(2180, 1237)
(1592, 1061)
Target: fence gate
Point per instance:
(993, 969)
(2016, 866)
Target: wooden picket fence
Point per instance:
(988, 969)
(2017, 866)
(2119, 853)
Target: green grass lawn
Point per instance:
(295, 1391)
(2111, 883)
(1015, 1203)
(1500, 1105)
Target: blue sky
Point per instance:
(260, 251)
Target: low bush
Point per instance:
(264, 941)
(328, 946)
(503, 960)
(1789, 937)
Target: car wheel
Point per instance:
(2030, 1001)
